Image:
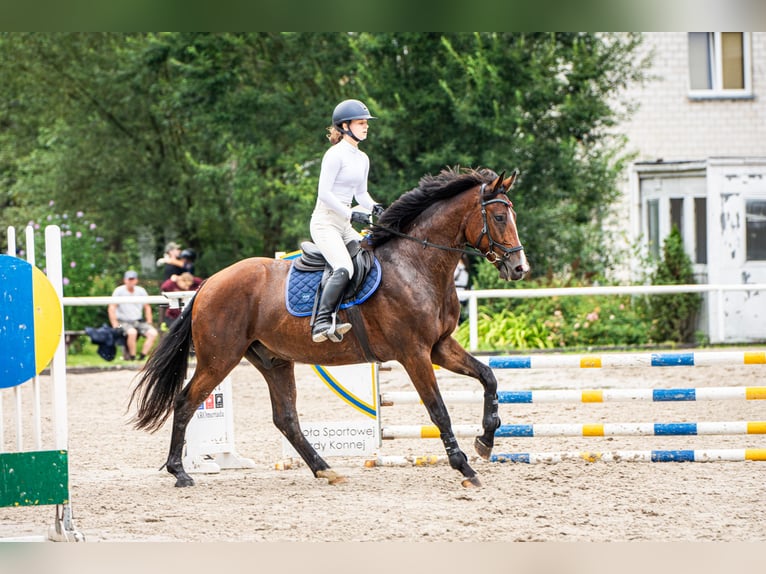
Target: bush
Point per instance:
(553, 322)
(559, 322)
(673, 317)
(506, 330)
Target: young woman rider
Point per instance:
(342, 179)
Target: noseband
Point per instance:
(491, 256)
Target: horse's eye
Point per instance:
(500, 218)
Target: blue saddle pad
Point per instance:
(302, 287)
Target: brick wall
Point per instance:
(670, 126)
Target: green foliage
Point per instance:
(88, 268)
(673, 317)
(596, 321)
(584, 321)
(537, 102)
(558, 322)
(507, 330)
(215, 138)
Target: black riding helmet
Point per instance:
(349, 110)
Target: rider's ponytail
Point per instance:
(334, 135)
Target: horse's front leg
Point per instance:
(449, 354)
(421, 372)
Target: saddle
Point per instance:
(309, 272)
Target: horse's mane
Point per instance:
(431, 189)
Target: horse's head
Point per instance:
(492, 229)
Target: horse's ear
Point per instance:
(498, 183)
(508, 183)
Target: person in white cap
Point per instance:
(133, 318)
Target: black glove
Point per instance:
(361, 217)
(378, 209)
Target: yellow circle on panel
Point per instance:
(49, 320)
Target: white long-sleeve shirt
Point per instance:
(343, 178)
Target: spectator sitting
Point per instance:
(183, 282)
(127, 316)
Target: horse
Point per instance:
(240, 312)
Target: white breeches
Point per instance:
(331, 232)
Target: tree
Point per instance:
(216, 139)
(537, 102)
(673, 317)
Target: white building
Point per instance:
(700, 139)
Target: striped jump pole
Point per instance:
(690, 359)
(615, 360)
(389, 399)
(583, 430)
(702, 455)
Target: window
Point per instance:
(719, 65)
(653, 225)
(677, 214)
(676, 198)
(755, 229)
(700, 228)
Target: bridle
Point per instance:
(490, 255)
(491, 243)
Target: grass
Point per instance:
(83, 353)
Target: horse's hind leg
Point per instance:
(186, 403)
(449, 354)
(280, 378)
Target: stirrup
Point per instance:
(319, 336)
(336, 334)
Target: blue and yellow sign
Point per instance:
(31, 321)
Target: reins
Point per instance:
(507, 251)
(425, 243)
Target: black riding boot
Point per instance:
(325, 326)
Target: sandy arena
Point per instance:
(119, 493)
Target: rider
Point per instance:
(343, 177)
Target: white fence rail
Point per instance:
(716, 334)
(169, 298)
(472, 296)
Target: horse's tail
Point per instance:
(164, 374)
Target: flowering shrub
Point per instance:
(89, 267)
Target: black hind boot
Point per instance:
(325, 326)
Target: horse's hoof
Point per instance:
(183, 481)
(482, 449)
(331, 476)
(472, 482)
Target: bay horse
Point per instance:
(240, 312)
